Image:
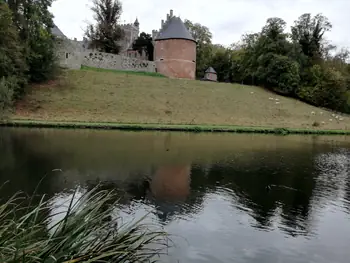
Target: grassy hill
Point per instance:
(117, 97)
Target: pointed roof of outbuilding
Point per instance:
(57, 32)
(210, 70)
(174, 29)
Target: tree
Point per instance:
(203, 37)
(220, 60)
(12, 62)
(106, 34)
(144, 43)
(34, 22)
(309, 32)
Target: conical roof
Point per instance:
(210, 70)
(136, 23)
(57, 32)
(174, 29)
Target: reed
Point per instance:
(86, 232)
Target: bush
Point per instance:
(327, 89)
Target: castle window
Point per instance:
(66, 55)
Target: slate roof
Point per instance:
(174, 29)
(57, 32)
(210, 70)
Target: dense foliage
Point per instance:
(106, 33)
(26, 46)
(144, 44)
(298, 64)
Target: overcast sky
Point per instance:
(226, 19)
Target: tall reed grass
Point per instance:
(86, 233)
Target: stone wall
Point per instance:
(111, 61)
(176, 58)
(73, 54)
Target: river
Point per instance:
(223, 197)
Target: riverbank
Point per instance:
(167, 127)
(115, 100)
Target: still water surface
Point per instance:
(223, 197)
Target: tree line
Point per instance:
(27, 53)
(301, 63)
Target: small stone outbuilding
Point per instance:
(210, 74)
(175, 50)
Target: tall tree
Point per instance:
(309, 32)
(106, 33)
(203, 36)
(144, 44)
(34, 22)
(12, 61)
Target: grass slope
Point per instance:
(103, 98)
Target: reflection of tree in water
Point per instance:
(31, 170)
(266, 187)
(334, 176)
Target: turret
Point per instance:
(136, 23)
(175, 49)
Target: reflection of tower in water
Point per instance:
(170, 187)
(171, 183)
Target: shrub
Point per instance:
(7, 88)
(327, 88)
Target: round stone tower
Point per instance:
(175, 50)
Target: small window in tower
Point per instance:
(66, 55)
(162, 59)
(193, 61)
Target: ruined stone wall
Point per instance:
(73, 54)
(176, 58)
(111, 61)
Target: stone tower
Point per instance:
(131, 31)
(174, 49)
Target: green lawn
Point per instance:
(104, 97)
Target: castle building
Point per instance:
(174, 49)
(131, 31)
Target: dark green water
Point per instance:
(224, 197)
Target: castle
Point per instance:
(174, 51)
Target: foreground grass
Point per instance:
(86, 233)
(100, 97)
